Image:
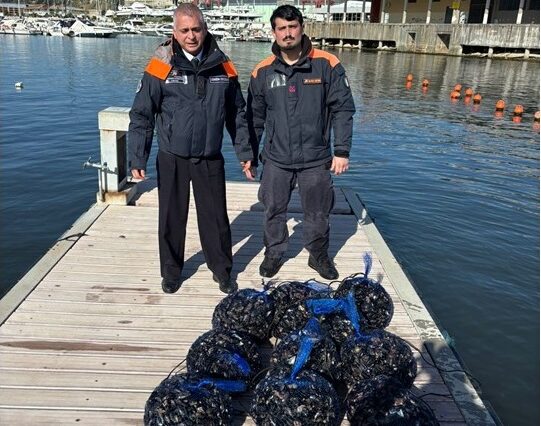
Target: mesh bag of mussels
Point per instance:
(374, 304)
(380, 352)
(224, 354)
(384, 401)
(290, 313)
(307, 399)
(323, 356)
(247, 311)
(185, 400)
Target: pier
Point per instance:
(87, 333)
(503, 40)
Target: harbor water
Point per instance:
(453, 188)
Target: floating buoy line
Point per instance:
(476, 98)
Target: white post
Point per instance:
(487, 9)
(364, 8)
(113, 124)
(345, 10)
(520, 12)
(404, 11)
(429, 12)
(382, 12)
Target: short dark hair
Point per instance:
(287, 12)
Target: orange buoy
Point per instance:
(518, 111)
(468, 92)
(536, 116)
(500, 105)
(458, 87)
(455, 94)
(425, 83)
(409, 77)
(477, 98)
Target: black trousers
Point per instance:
(317, 199)
(208, 181)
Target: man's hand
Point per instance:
(339, 165)
(138, 174)
(249, 171)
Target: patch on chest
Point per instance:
(176, 77)
(312, 81)
(219, 79)
(276, 80)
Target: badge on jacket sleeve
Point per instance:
(139, 86)
(346, 82)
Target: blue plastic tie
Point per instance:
(367, 263)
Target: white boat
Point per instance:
(86, 28)
(17, 27)
(132, 26)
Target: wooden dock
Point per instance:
(88, 333)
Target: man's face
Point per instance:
(190, 33)
(288, 34)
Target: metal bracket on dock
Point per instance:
(102, 176)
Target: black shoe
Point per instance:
(227, 285)
(270, 266)
(170, 286)
(324, 267)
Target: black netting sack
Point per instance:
(380, 352)
(374, 304)
(290, 313)
(338, 327)
(224, 354)
(247, 311)
(323, 358)
(308, 399)
(185, 400)
(384, 401)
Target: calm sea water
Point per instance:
(453, 189)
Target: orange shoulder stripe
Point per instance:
(316, 53)
(265, 62)
(158, 68)
(230, 69)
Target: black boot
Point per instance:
(171, 286)
(324, 266)
(270, 266)
(227, 285)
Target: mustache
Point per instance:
(288, 38)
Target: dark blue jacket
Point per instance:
(188, 107)
(297, 105)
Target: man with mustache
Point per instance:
(298, 97)
(189, 90)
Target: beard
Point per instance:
(291, 46)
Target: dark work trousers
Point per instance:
(317, 199)
(208, 181)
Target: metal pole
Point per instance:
(520, 12)
(429, 12)
(487, 9)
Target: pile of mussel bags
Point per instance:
(327, 340)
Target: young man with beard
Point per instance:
(188, 91)
(296, 96)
